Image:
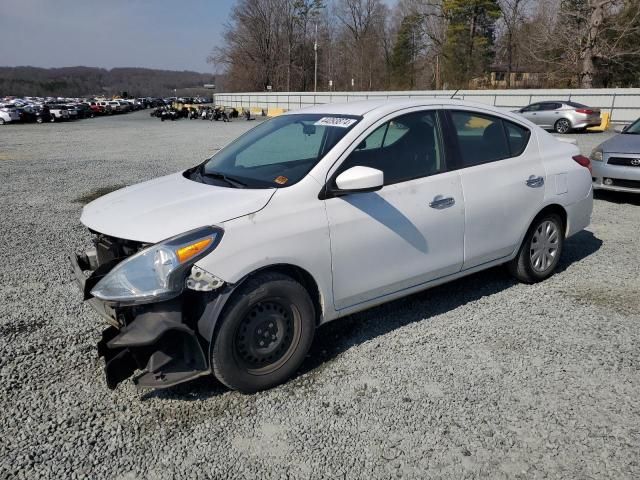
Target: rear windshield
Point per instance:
(576, 105)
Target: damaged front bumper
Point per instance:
(162, 339)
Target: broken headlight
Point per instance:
(158, 272)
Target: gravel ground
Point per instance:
(481, 378)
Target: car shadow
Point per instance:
(617, 197)
(336, 337)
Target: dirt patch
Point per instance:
(20, 327)
(97, 193)
(626, 302)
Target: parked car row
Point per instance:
(41, 110)
(195, 112)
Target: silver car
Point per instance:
(561, 116)
(616, 162)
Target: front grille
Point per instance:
(109, 249)
(626, 183)
(624, 161)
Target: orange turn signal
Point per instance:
(189, 251)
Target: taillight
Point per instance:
(586, 111)
(584, 161)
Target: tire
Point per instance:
(540, 252)
(1, 121)
(562, 126)
(39, 120)
(270, 308)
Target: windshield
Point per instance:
(634, 128)
(276, 153)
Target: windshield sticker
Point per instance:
(335, 122)
(281, 180)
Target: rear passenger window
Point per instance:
(518, 138)
(481, 138)
(485, 138)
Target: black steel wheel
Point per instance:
(264, 333)
(265, 336)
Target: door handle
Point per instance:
(440, 202)
(534, 181)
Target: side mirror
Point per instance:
(621, 129)
(359, 179)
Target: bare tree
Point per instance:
(583, 34)
(513, 15)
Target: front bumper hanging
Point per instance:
(152, 337)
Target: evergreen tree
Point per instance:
(469, 39)
(405, 53)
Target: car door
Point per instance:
(548, 114)
(531, 113)
(503, 182)
(409, 232)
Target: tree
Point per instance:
(469, 39)
(405, 52)
(586, 36)
(512, 17)
(362, 22)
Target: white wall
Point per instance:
(622, 103)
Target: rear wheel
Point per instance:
(267, 329)
(1, 121)
(562, 126)
(540, 251)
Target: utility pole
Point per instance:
(315, 66)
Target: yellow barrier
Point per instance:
(274, 112)
(604, 123)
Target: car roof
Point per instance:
(383, 106)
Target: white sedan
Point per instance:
(227, 268)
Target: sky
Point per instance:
(164, 34)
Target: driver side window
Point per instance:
(404, 148)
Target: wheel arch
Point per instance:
(303, 277)
(215, 304)
(550, 209)
(547, 209)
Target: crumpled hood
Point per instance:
(161, 208)
(622, 144)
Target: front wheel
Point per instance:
(267, 329)
(1, 121)
(540, 252)
(562, 126)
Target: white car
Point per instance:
(229, 267)
(8, 114)
(58, 113)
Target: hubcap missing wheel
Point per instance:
(264, 335)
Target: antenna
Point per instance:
(454, 93)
